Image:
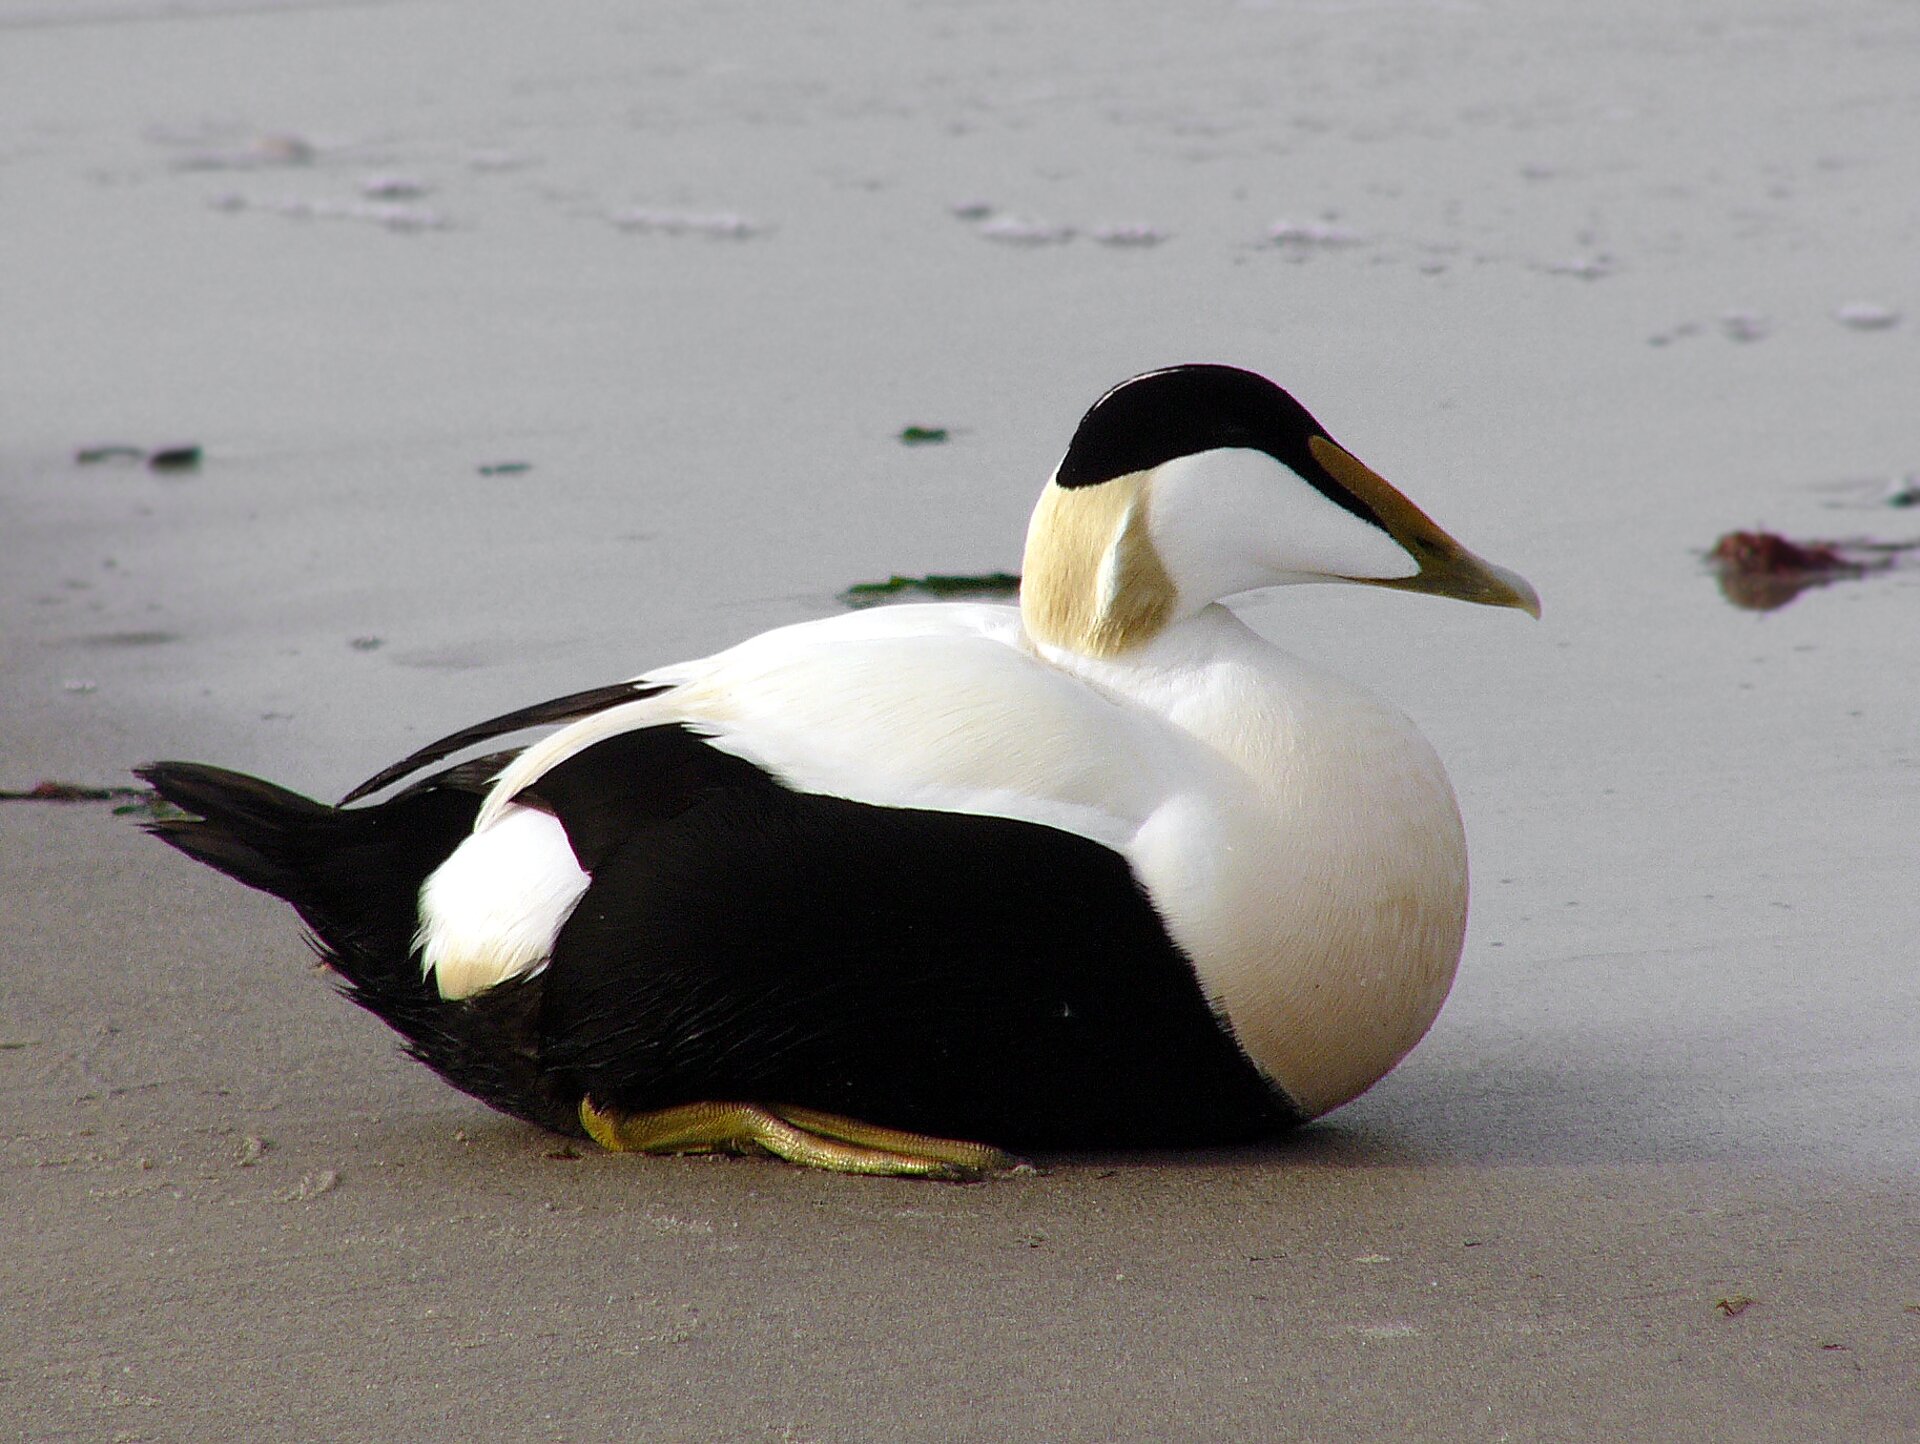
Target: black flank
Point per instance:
(955, 974)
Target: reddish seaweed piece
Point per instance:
(68, 792)
(141, 800)
(1762, 570)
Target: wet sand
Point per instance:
(1573, 280)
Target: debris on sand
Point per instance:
(141, 800)
(1678, 333)
(992, 224)
(175, 458)
(935, 584)
(1762, 570)
(70, 792)
(922, 435)
(1734, 1305)
(263, 153)
(1019, 231)
(1898, 489)
(1596, 267)
(716, 226)
(1140, 236)
(311, 1186)
(1298, 237)
(167, 458)
(399, 216)
(1866, 316)
(394, 188)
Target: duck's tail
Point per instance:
(354, 875)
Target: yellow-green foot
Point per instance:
(799, 1135)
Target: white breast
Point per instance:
(1324, 902)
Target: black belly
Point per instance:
(948, 973)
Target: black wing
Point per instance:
(570, 708)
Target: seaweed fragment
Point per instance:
(167, 458)
(174, 458)
(943, 585)
(1761, 571)
(141, 801)
(68, 792)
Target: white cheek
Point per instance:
(1230, 520)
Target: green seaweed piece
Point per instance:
(152, 805)
(944, 585)
(922, 435)
(175, 458)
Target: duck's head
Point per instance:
(1185, 486)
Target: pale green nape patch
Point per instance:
(1093, 582)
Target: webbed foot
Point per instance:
(804, 1136)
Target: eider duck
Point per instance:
(897, 890)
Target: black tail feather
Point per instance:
(251, 830)
(354, 875)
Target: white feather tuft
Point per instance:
(492, 910)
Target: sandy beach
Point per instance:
(525, 348)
